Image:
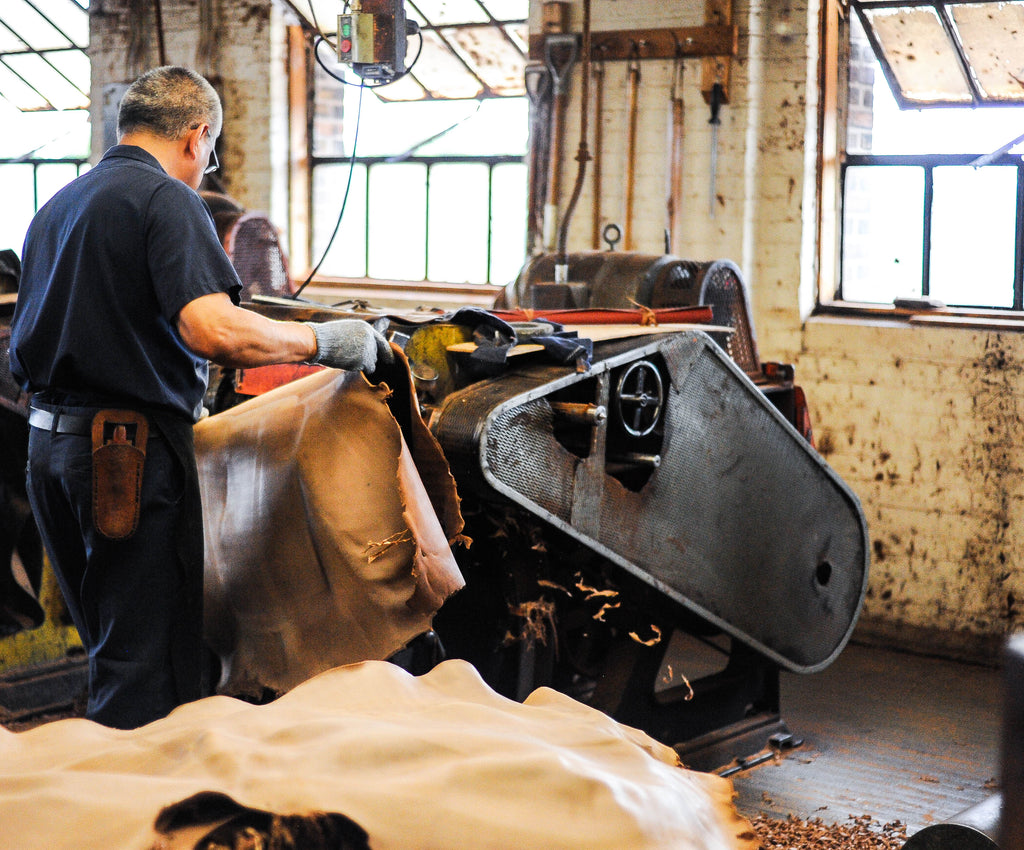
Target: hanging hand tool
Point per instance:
(673, 196)
(598, 74)
(582, 158)
(538, 90)
(717, 93)
(559, 57)
(632, 110)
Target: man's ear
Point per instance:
(193, 141)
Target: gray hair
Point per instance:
(168, 102)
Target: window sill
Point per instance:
(973, 319)
(402, 294)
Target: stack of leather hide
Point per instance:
(437, 761)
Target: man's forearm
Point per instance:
(214, 328)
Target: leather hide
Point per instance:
(327, 537)
(418, 762)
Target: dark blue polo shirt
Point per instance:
(108, 262)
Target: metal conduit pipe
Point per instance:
(582, 155)
(976, 828)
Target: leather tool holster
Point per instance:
(118, 457)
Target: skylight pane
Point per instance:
(993, 38)
(494, 60)
(18, 93)
(69, 17)
(74, 65)
(508, 10)
(9, 41)
(32, 27)
(47, 81)
(441, 73)
(920, 56)
(449, 11)
(405, 88)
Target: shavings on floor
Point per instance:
(859, 833)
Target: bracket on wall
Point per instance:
(715, 67)
(718, 41)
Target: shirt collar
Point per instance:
(133, 152)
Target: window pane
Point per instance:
(32, 28)
(439, 128)
(876, 124)
(990, 33)
(48, 81)
(44, 135)
(458, 223)
(446, 11)
(16, 212)
(398, 198)
(493, 58)
(347, 257)
(50, 179)
(508, 222)
(883, 211)
(499, 127)
(73, 22)
(921, 57)
(441, 73)
(17, 92)
(973, 212)
(74, 65)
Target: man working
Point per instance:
(125, 295)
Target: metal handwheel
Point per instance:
(639, 398)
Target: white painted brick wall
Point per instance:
(247, 61)
(922, 422)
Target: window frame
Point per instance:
(929, 162)
(303, 162)
(491, 161)
(832, 163)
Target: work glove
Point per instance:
(350, 344)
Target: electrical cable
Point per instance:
(344, 200)
(362, 85)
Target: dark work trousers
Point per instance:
(135, 602)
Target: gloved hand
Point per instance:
(350, 344)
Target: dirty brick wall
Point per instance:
(239, 46)
(763, 186)
(925, 425)
(922, 422)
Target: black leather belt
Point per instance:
(67, 423)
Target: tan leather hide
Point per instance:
(323, 546)
(421, 763)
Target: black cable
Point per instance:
(319, 61)
(316, 24)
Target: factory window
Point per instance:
(437, 192)
(44, 86)
(931, 182)
(424, 178)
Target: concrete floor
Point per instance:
(886, 734)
